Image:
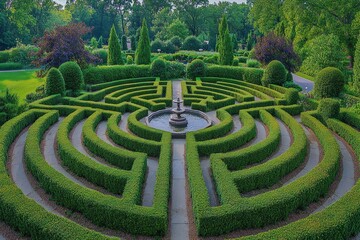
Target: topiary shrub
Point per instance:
(175, 70)
(329, 108)
(275, 73)
(54, 82)
(191, 43)
(129, 60)
(102, 55)
(289, 77)
(292, 96)
(196, 68)
(158, 68)
(170, 47)
(73, 76)
(157, 44)
(329, 83)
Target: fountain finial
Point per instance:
(176, 119)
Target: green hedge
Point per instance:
(267, 208)
(237, 160)
(252, 75)
(111, 179)
(272, 171)
(22, 213)
(10, 66)
(232, 141)
(118, 157)
(102, 74)
(130, 141)
(339, 220)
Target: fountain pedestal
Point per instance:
(176, 119)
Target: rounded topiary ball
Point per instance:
(54, 82)
(158, 68)
(329, 83)
(275, 73)
(73, 76)
(329, 108)
(196, 68)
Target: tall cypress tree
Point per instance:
(225, 46)
(114, 55)
(228, 49)
(357, 66)
(143, 52)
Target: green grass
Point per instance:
(303, 75)
(20, 83)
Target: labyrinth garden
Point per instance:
(88, 167)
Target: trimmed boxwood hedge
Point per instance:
(19, 211)
(95, 75)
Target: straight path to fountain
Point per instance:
(179, 220)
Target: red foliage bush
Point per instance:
(64, 44)
(272, 47)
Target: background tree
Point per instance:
(64, 44)
(124, 42)
(142, 54)
(177, 28)
(323, 51)
(225, 47)
(114, 55)
(133, 43)
(272, 47)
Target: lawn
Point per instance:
(20, 83)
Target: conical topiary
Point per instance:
(114, 55)
(143, 52)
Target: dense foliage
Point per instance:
(54, 82)
(114, 55)
(273, 47)
(191, 43)
(329, 83)
(64, 44)
(323, 51)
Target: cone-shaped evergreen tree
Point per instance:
(142, 54)
(114, 55)
(357, 66)
(224, 44)
(227, 55)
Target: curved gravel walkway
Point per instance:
(306, 84)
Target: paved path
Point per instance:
(306, 84)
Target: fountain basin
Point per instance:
(196, 120)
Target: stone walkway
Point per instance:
(306, 84)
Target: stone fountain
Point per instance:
(176, 119)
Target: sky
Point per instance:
(211, 1)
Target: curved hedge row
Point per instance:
(232, 141)
(236, 212)
(19, 211)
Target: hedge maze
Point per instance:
(263, 165)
